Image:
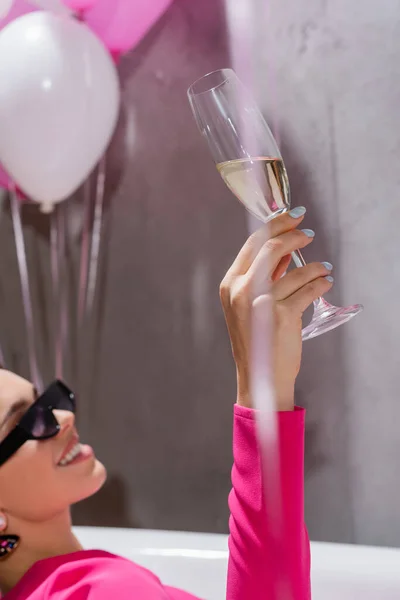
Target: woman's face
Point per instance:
(34, 486)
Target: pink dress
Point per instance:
(263, 565)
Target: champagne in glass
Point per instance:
(261, 184)
(250, 163)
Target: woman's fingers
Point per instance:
(282, 224)
(298, 302)
(298, 278)
(274, 250)
(281, 268)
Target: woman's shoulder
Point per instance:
(72, 575)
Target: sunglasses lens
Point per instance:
(58, 397)
(64, 403)
(39, 422)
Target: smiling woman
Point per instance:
(38, 436)
(36, 487)
(38, 422)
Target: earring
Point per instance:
(8, 545)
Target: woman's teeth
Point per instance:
(70, 456)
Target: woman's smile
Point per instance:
(77, 454)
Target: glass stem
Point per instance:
(319, 304)
(298, 259)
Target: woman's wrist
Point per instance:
(284, 398)
(285, 402)
(243, 389)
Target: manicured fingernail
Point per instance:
(297, 212)
(309, 232)
(330, 279)
(328, 266)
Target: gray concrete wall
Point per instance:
(160, 415)
(337, 91)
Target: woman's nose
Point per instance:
(65, 418)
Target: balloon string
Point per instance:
(63, 284)
(96, 234)
(26, 295)
(58, 277)
(83, 268)
(55, 281)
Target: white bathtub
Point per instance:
(197, 562)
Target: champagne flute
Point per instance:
(250, 163)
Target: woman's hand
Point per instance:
(256, 289)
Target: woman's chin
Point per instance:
(99, 475)
(94, 480)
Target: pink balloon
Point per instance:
(22, 7)
(79, 5)
(19, 8)
(121, 24)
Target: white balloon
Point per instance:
(5, 6)
(59, 103)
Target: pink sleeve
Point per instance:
(269, 549)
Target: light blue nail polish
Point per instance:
(328, 266)
(297, 212)
(330, 279)
(309, 232)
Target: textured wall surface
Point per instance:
(337, 92)
(160, 414)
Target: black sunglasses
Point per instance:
(39, 422)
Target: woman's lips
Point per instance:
(84, 453)
(71, 444)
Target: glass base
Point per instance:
(327, 317)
